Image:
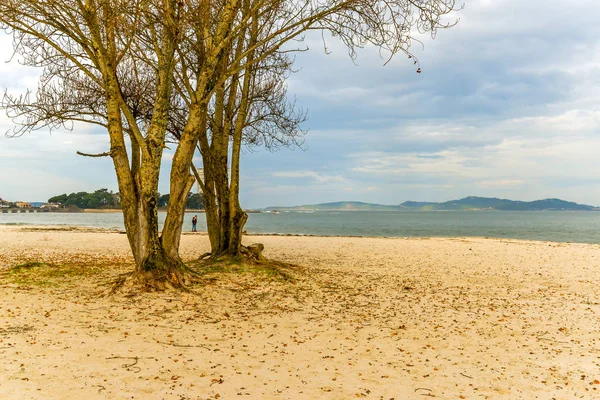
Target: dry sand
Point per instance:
(366, 317)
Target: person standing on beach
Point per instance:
(194, 222)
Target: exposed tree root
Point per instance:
(249, 254)
(250, 259)
(254, 252)
(179, 278)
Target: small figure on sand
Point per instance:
(194, 222)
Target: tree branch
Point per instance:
(105, 154)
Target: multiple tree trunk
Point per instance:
(209, 72)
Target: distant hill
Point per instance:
(339, 205)
(416, 204)
(486, 203)
(468, 203)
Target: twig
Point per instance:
(167, 327)
(425, 394)
(127, 358)
(543, 338)
(465, 375)
(183, 345)
(128, 366)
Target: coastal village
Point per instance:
(24, 206)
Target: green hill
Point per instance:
(486, 203)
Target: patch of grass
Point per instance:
(28, 265)
(35, 273)
(272, 270)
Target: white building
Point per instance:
(51, 205)
(201, 174)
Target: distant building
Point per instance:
(4, 203)
(201, 174)
(51, 206)
(22, 204)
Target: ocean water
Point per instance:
(577, 227)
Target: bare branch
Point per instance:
(105, 154)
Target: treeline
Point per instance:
(107, 199)
(194, 201)
(102, 198)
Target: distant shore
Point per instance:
(189, 210)
(116, 210)
(102, 210)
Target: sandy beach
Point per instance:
(373, 318)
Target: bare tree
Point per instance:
(252, 109)
(235, 113)
(102, 60)
(90, 52)
(257, 113)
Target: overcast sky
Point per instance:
(507, 105)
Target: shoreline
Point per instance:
(82, 228)
(101, 210)
(364, 317)
(555, 227)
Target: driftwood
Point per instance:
(254, 251)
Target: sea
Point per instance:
(556, 226)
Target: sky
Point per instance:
(507, 105)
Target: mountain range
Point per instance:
(467, 203)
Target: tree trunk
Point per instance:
(225, 219)
(224, 215)
(157, 262)
(157, 266)
(212, 211)
(236, 229)
(181, 183)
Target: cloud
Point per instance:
(507, 105)
(501, 183)
(360, 189)
(520, 147)
(308, 174)
(40, 165)
(37, 185)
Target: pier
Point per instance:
(15, 210)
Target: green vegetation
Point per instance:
(35, 273)
(102, 198)
(106, 199)
(163, 200)
(194, 201)
(276, 271)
